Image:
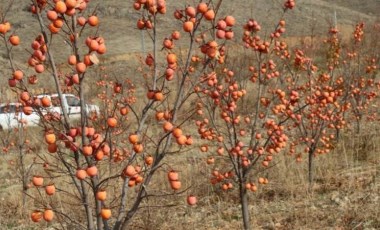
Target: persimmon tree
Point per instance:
(16, 139)
(290, 101)
(104, 163)
(242, 137)
(360, 68)
(335, 93)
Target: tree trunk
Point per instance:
(358, 125)
(311, 166)
(244, 206)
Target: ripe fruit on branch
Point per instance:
(60, 7)
(81, 174)
(175, 184)
(105, 213)
(50, 137)
(230, 20)
(168, 126)
(101, 195)
(130, 171)
(112, 122)
(38, 181)
(209, 15)
(81, 67)
(92, 171)
(188, 26)
(36, 216)
(149, 160)
(50, 189)
(48, 215)
(133, 138)
(14, 40)
(93, 20)
(202, 7)
(18, 74)
(191, 200)
(71, 3)
(171, 58)
(173, 175)
(181, 140)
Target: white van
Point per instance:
(70, 102)
(12, 116)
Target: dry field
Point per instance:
(346, 194)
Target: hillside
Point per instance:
(119, 18)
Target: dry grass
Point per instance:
(345, 195)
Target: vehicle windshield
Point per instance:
(72, 101)
(10, 108)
